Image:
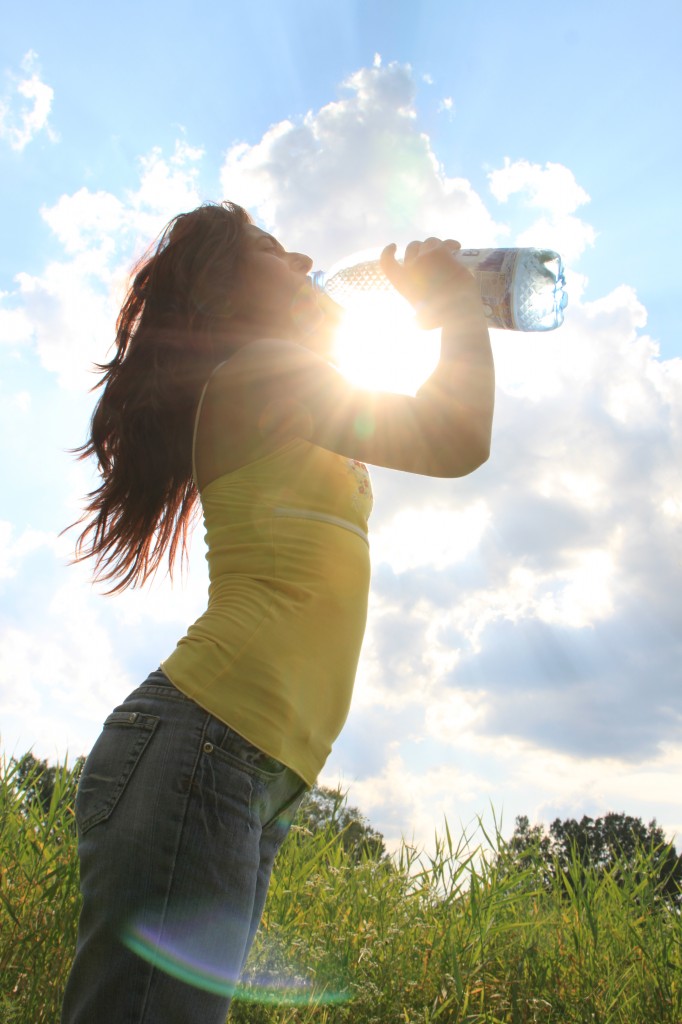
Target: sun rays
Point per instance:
(380, 347)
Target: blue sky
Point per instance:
(523, 643)
(592, 86)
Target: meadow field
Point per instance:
(468, 934)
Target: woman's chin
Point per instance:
(305, 311)
(316, 318)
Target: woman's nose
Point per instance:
(301, 262)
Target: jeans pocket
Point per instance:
(239, 752)
(110, 765)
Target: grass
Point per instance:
(39, 898)
(467, 935)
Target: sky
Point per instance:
(523, 647)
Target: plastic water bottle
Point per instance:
(521, 289)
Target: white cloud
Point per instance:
(167, 187)
(69, 308)
(22, 401)
(25, 106)
(161, 603)
(72, 314)
(552, 188)
(456, 775)
(409, 805)
(63, 667)
(523, 642)
(437, 537)
(87, 221)
(55, 694)
(13, 549)
(451, 718)
(520, 608)
(16, 326)
(355, 174)
(59, 666)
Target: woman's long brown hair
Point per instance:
(173, 329)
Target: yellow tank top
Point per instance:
(274, 655)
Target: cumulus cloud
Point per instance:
(555, 641)
(355, 174)
(554, 190)
(535, 609)
(25, 105)
(523, 639)
(63, 664)
(59, 664)
(16, 326)
(436, 537)
(13, 549)
(564, 614)
(69, 309)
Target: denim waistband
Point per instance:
(158, 683)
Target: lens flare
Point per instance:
(288, 992)
(268, 989)
(178, 964)
(379, 346)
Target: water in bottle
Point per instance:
(521, 289)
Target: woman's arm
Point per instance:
(272, 391)
(460, 393)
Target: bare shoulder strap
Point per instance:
(196, 421)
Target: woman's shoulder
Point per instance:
(252, 405)
(262, 357)
(271, 370)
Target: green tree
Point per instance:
(614, 843)
(324, 808)
(34, 781)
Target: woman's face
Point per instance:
(274, 290)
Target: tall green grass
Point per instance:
(39, 898)
(468, 935)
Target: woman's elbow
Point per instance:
(473, 461)
(465, 459)
(481, 457)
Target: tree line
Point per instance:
(611, 844)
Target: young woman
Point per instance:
(221, 391)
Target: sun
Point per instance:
(379, 346)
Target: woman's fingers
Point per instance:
(429, 276)
(412, 250)
(388, 254)
(390, 266)
(415, 249)
(423, 264)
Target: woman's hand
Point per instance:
(272, 390)
(432, 279)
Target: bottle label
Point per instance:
(494, 273)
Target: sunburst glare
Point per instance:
(379, 345)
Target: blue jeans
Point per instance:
(179, 822)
